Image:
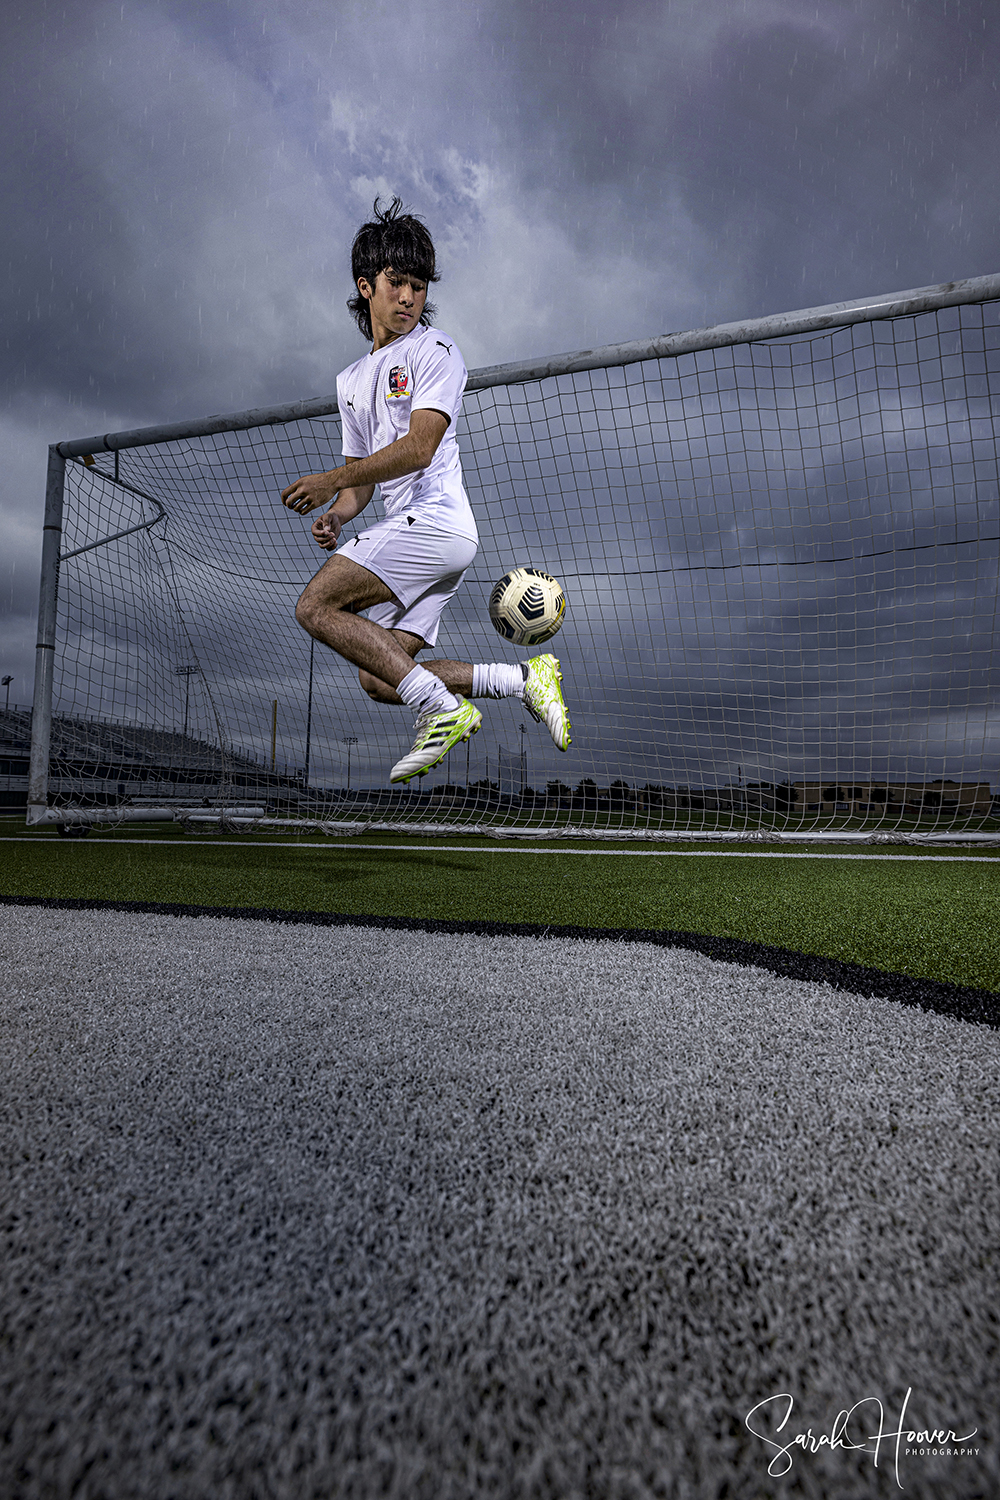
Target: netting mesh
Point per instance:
(781, 564)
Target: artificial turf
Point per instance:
(928, 919)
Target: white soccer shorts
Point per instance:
(423, 566)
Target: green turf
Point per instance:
(924, 918)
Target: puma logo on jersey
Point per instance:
(445, 347)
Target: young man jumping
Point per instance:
(398, 406)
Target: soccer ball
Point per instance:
(527, 606)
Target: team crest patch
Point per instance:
(399, 380)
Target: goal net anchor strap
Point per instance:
(111, 817)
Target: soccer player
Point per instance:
(398, 406)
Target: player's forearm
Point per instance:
(350, 503)
(406, 455)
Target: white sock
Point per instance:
(421, 690)
(497, 680)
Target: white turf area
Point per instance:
(321, 1212)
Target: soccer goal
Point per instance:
(779, 544)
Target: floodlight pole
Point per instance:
(187, 673)
(349, 740)
(6, 682)
(309, 712)
(45, 650)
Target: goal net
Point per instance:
(779, 546)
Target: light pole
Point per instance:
(6, 682)
(187, 673)
(349, 740)
(309, 712)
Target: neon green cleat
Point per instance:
(544, 700)
(436, 734)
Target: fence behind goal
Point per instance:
(779, 542)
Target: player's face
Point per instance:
(395, 303)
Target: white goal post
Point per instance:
(779, 544)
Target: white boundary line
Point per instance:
(202, 843)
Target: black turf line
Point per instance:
(964, 1004)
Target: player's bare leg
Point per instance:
(385, 659)
(327, 611)
(456, 675)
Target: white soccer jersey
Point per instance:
(421, 371)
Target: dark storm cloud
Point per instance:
(156, 258)
(821, 151)
(184, 178)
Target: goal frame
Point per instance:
(833, 316)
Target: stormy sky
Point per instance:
(182, 182)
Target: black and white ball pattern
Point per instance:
(527, 606)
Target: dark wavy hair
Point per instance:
(393, 239)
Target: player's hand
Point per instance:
(310, 493)
(326, 529)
